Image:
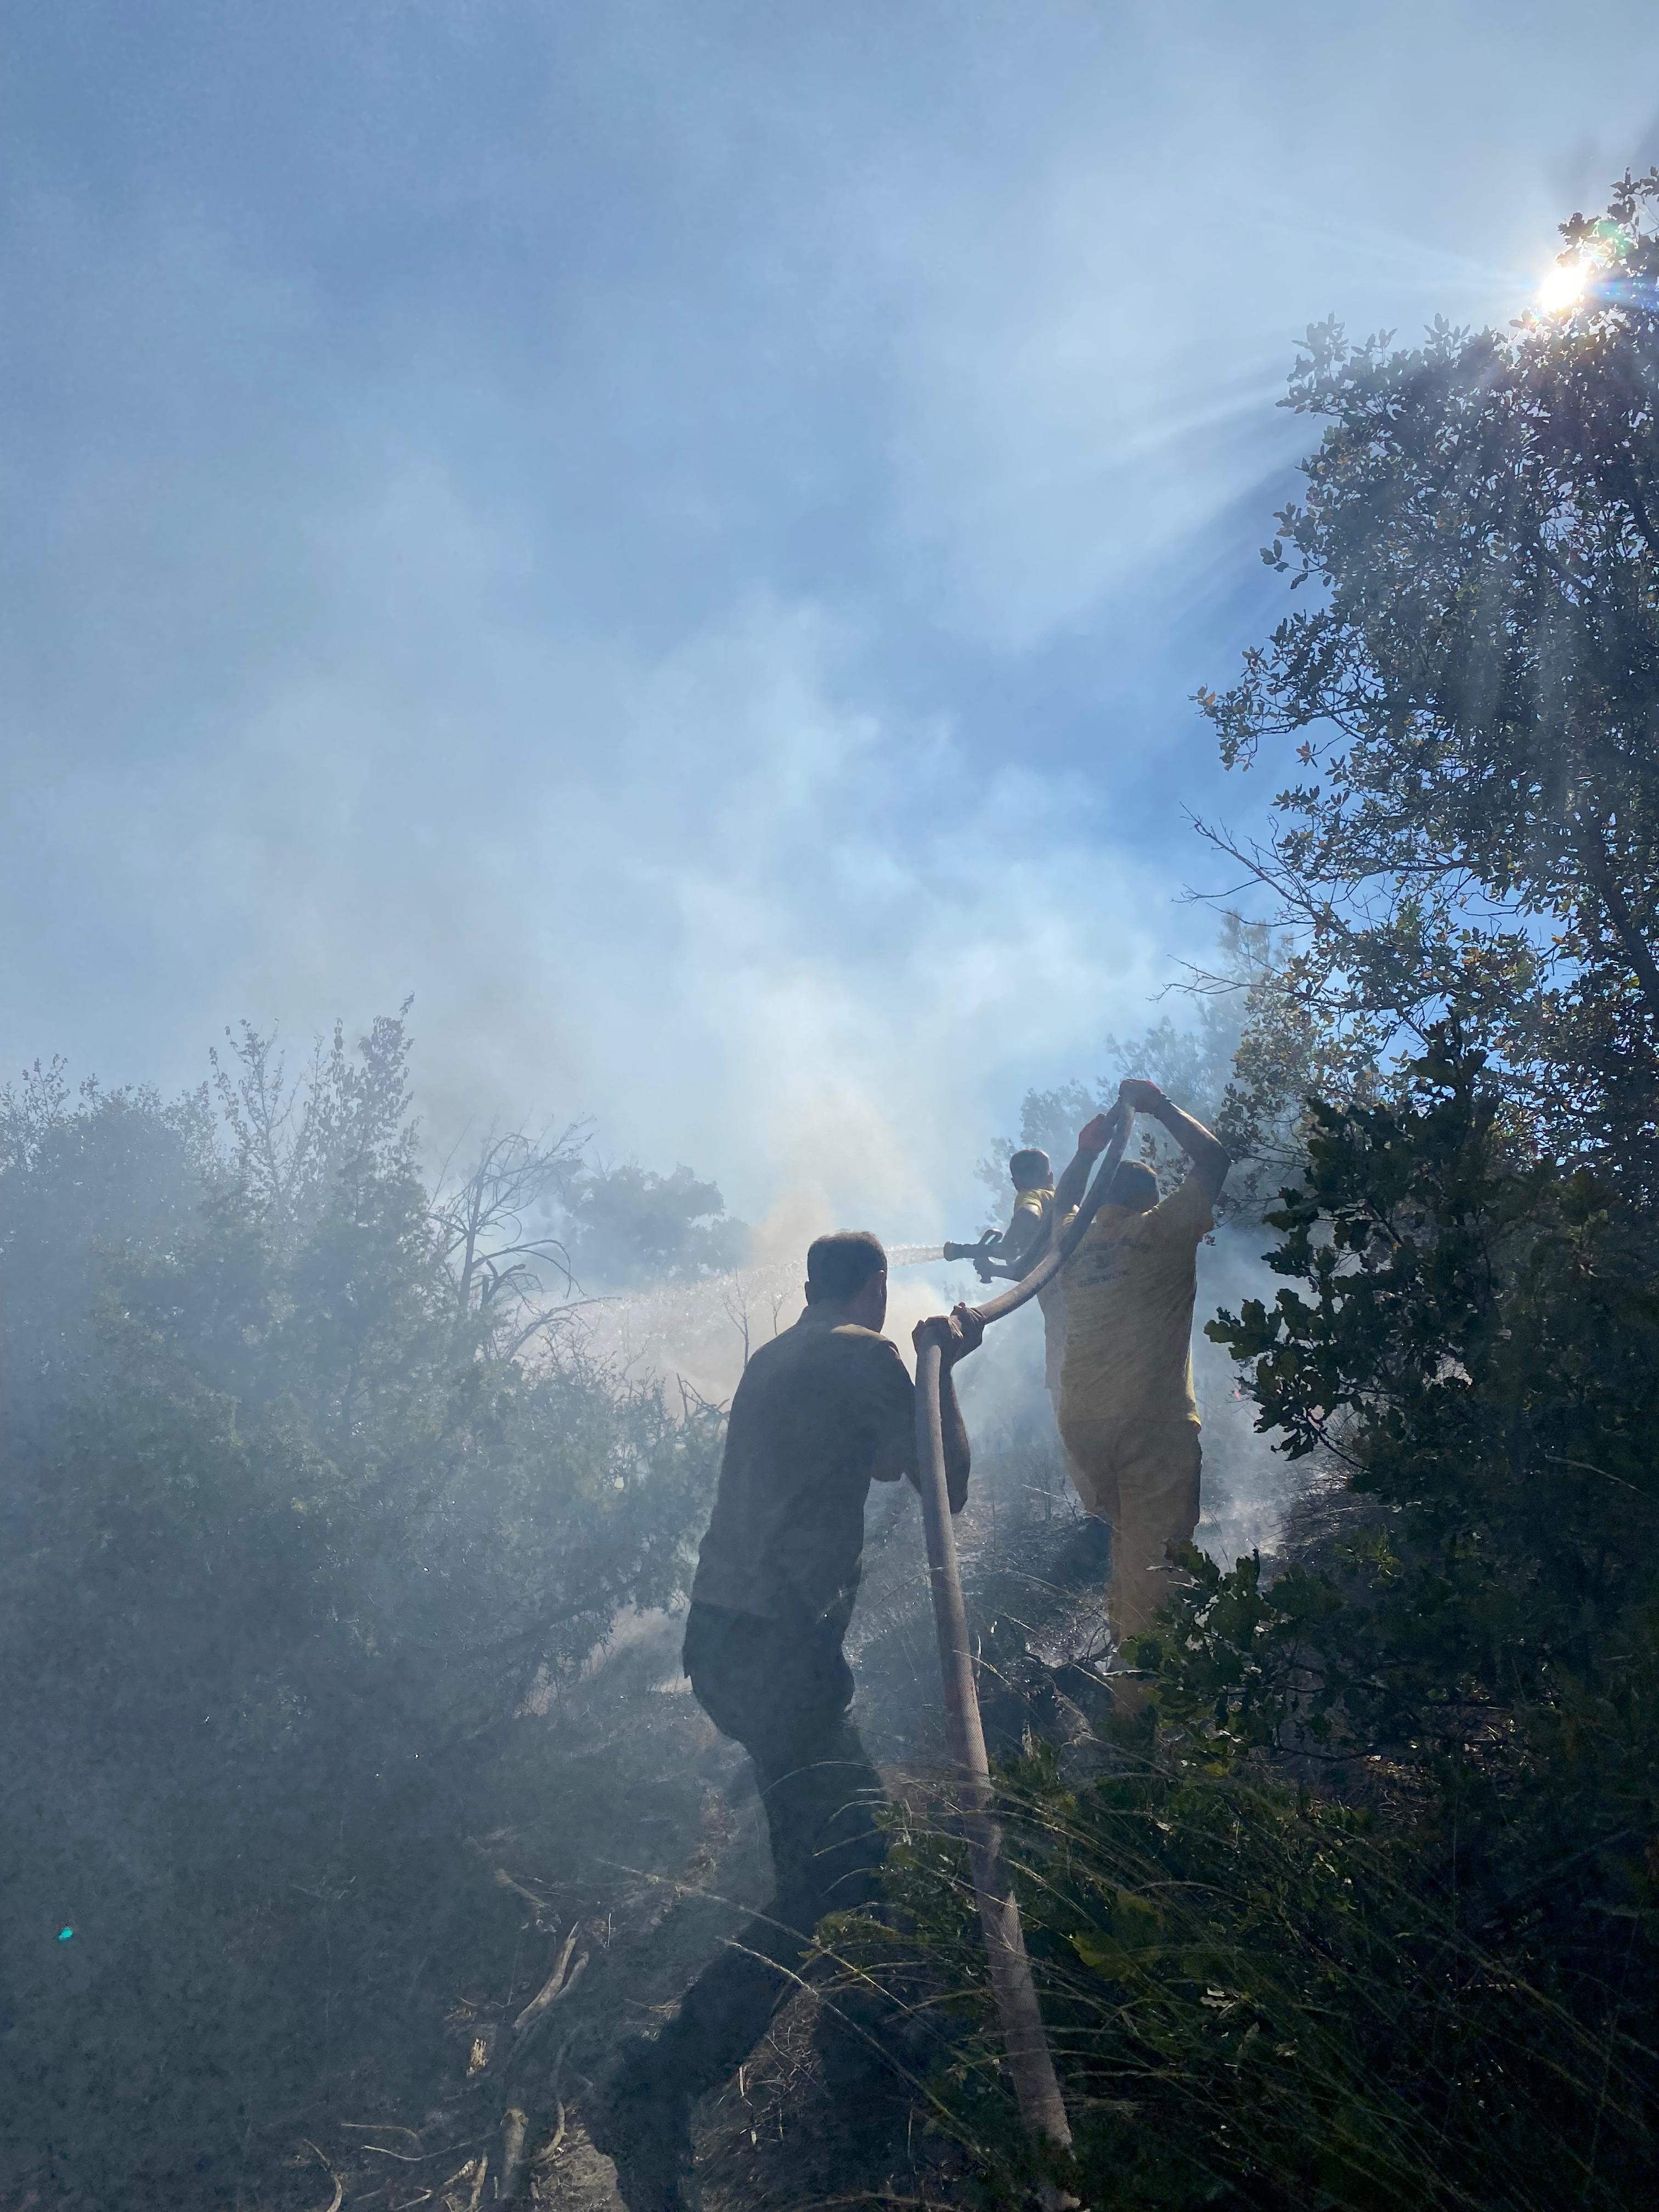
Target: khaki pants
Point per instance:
(1053, 1303)
(1146, 1483)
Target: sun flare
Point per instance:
(1564, 286)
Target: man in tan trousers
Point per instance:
(1127, 1415)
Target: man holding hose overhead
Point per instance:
(1127, 1415)
(823, 1410)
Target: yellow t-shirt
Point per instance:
(1038, 1200)
(1028, 1221)
(1051, 1301)
(1130, 1288)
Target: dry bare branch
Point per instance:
(513, 2125)
(550, 2149)
(338, 2198)
(504, 1881)
(559, 1984)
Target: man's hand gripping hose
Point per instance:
(1030, 2064)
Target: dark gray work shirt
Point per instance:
(822, 1411)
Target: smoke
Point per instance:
(1249, 1489)
(698, 1334)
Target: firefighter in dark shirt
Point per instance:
(822, 1411)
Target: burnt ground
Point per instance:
(634, 1824)
(618, 1835)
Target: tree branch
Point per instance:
(1586, 838)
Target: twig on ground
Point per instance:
(550, 2149)
(513, 2125)
(559, 1984)
(473, 2170)
(338, 2198)
(539, 1905)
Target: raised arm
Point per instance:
(1091, 1142)
(1210, 1157)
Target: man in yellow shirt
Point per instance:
(1127, 1415)
(1018, 1250)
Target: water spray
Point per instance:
(1031, 2063)
(918, 1256)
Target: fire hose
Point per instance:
(1030, 2063)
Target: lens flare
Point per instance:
(1565, 286)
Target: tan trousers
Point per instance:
(1146, 1483)
(1053, 1303)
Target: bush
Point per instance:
(1367, 1914)
(293, 1539)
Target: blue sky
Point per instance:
(683, 535)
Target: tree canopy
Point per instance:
(1364, 1910)
(1474, 682)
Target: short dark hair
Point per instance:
(839, 1266)
(1133, 1186)
(1031, 1168)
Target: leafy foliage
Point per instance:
(1364, 1910)
(1256, 1999)
(293, 1537)
(1478, 1339)
(1474, 682)
(629, 1226)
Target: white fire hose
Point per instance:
(1030, 2063)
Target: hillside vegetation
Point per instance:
(1365, 1914)
(352, 1812)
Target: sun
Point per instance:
(1565, 286)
